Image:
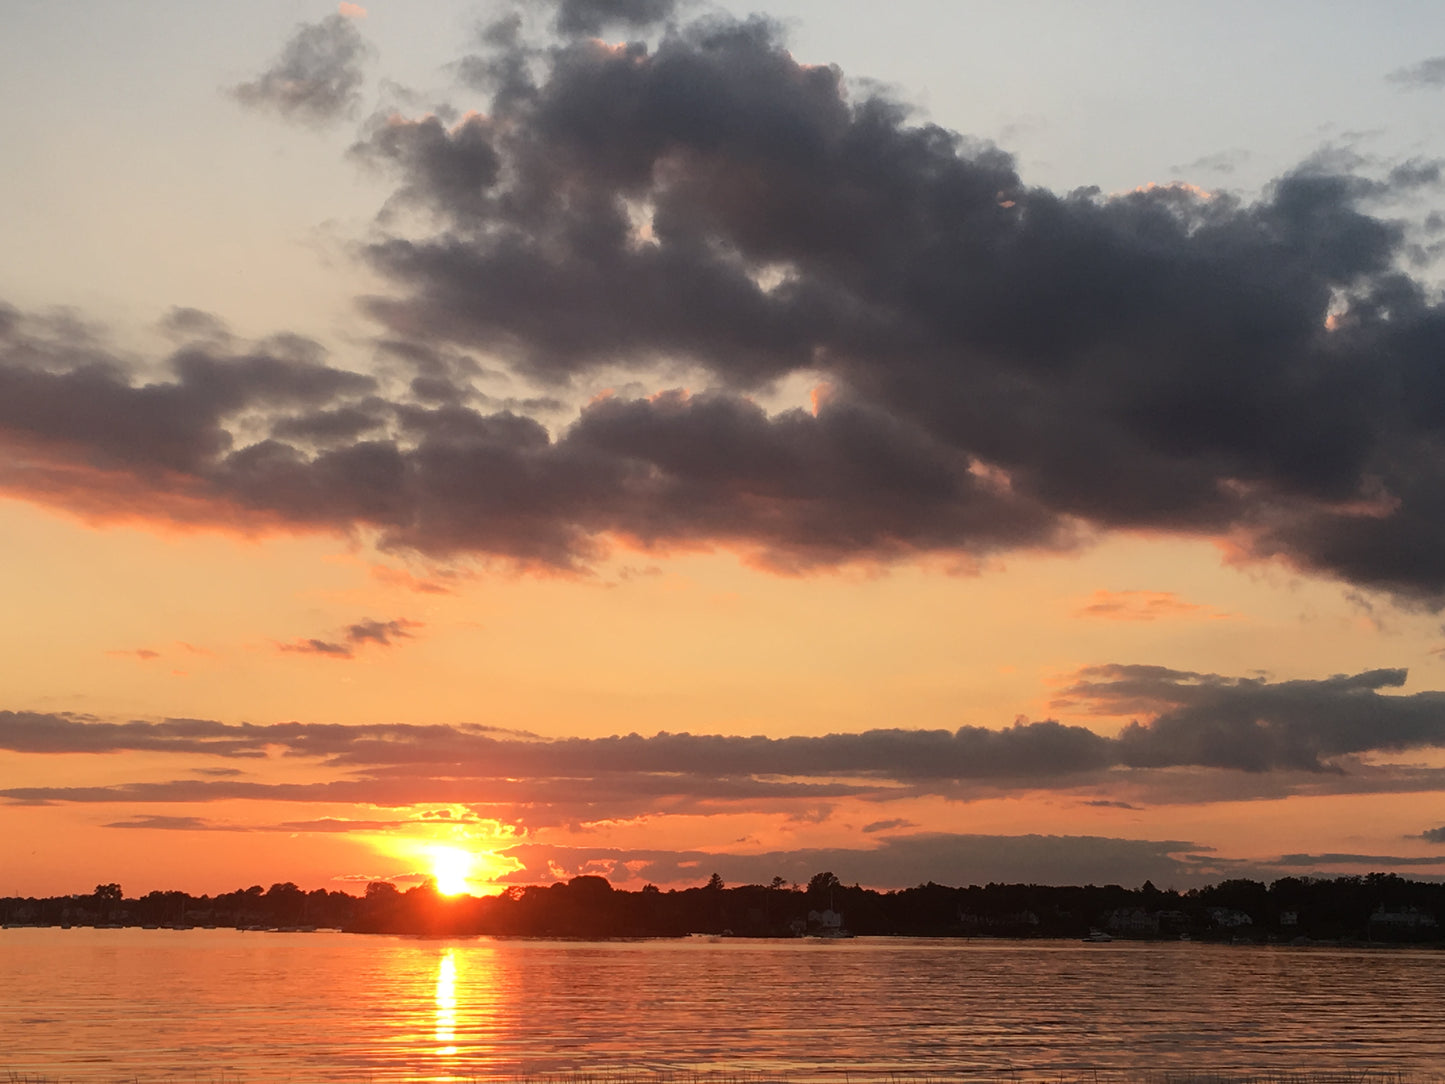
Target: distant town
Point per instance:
(1378, 908)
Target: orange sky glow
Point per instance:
(742, 473)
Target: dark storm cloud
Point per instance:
(341, 425)
(593, 16)
(1152, 359)
(317, 77)
(1426, 74)
(999, 366)
(898, 862)
(64, 400)
(1434, 835)
(797, 489)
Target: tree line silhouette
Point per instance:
(1376, 907)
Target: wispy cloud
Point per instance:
(356, 636)
(1427, 74)
(313, 646)
(161, 823)
(893, 825)
(1144, 606)
(318, 75)
(322, 825)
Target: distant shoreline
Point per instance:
(1345, 911)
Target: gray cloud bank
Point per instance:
(1003, 366)
(1253, 737)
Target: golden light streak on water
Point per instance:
(446, 998)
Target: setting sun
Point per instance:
(450, 867)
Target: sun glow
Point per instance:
(451, 866)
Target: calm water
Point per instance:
(109, 1005)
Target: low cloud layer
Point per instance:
(895, 859)
(1255, 738)
(900, 861)
(1253, 724)
(1372, 861)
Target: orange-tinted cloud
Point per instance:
(1257, 736)
(313, 646)
(397, 577)
(1144, 606)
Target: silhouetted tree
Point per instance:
(821, 884)
(377, 891)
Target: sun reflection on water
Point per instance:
(446, 1021)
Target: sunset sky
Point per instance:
(989, 442)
